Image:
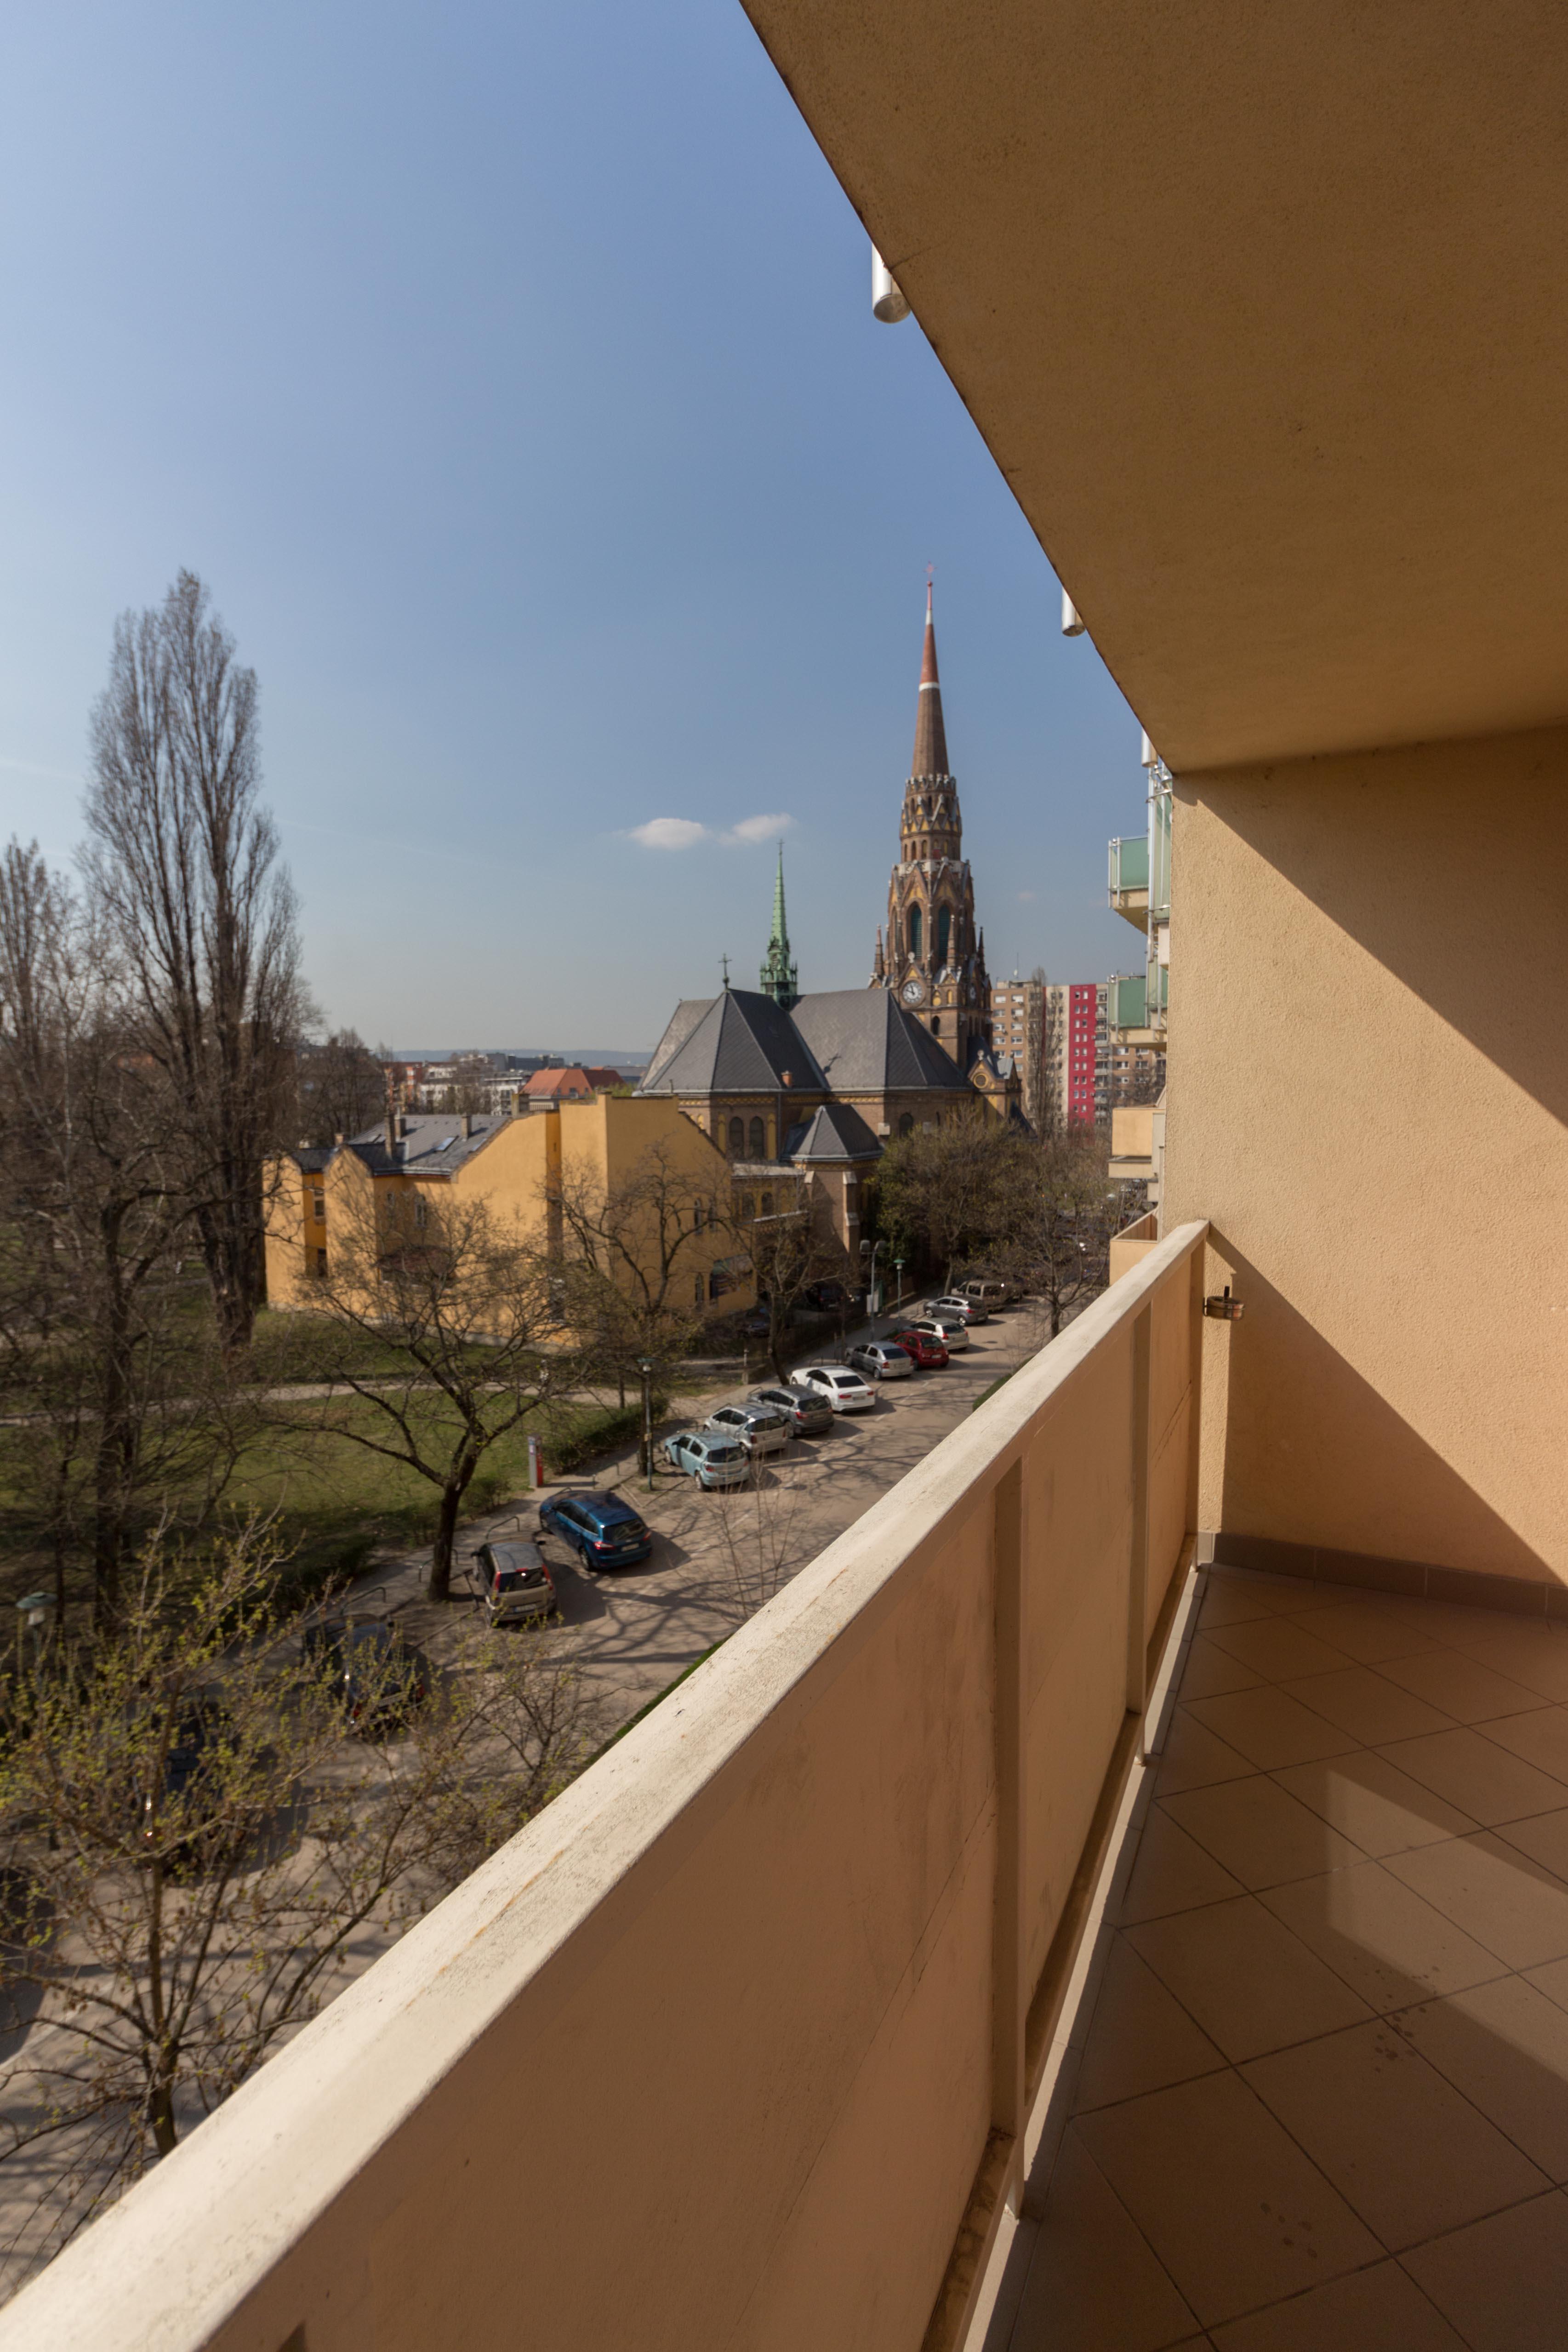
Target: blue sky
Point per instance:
(509, 374)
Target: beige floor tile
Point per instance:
(1193, 1756)
(1367, 1706)
(1207, 1671)
(1543, 1837)
(1376, 1805)
(1494, 1892)
(1552, 1979)
(1172, 1872)
(1503, 2283)
(1390, 1946)
(1474, 1773)
(1249, 1982)
(1233, 1600)
(1269, 1727)
(1093, 2283)
(1460, 1685)
(1458, 1627)
(1140, 2039)
(1378, 2310)
(1279, 1648)
(1541, 1738)
(1535, 1655)
(1235, 2212)
(1505, 2046)
(1402, 2147)
(1369, 1631)
(1259, 1831)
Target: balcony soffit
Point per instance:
(1260, 313)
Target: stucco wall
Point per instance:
(1368, 1090)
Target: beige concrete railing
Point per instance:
(733, 2046)
(1133, 1244)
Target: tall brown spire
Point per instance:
(931, 735)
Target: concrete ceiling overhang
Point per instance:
(1262, 309)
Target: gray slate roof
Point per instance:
(433, 1144)
(836, 1132)
(739, 1042)
(867, 1043)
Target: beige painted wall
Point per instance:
(1368, 1092)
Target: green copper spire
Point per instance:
(778, 978)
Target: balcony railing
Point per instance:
(736, 2042)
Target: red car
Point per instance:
(927, 1353)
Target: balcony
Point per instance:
(752, 2019)
(1128, 878)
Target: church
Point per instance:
(794, 1087)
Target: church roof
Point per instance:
(738, 1043)
(836, 1132)
(866, 1043)
(931, 736)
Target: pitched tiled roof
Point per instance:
(551, 1084)
(836, 1132)
(739, 1042)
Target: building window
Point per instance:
(697, 1218)
(419, 1214)
(320, 1261)
(737, 1137)
(936, 1024)
(943, 932)
(767, 1204)
(759, 1139)
(914, 931)
(907, 1123)
(698, 1292)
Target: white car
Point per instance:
(845, 1390)
(949, 1328)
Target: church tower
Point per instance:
(778, 978)
(932, 955)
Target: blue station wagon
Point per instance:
(602, 1529)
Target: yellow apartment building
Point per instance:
(606, 1145)
(1118, 1892)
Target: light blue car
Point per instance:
(711, 1460)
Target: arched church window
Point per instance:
(936, 1024)
(915, 931)
(737, 1137)
(767, 1204)
(759, 1139)
(907, 1123)
(944, 929)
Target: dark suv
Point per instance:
(605, 1532)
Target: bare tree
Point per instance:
(195, 1838)
(791, 1250)
(114, 1395)
(1062, 1211)
(469, 1088)
(453, 1293)
(341, 1087)
(949, 1190)
(183, 860)
(630, 1262)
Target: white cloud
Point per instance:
(669, 833)
(757, 828)
(685, 832)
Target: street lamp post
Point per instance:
(870, 1250)
(645, 1366)
(899, 1287)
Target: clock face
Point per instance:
(913, 990)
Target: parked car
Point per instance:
(827, 1298)
(604, 1531)
(926, 1352)
(757, 1325)
(953, 1303)
(809, 1414)
(949, 1330)
(879, 1359)
(515, 1587)
(380, 1675)
(845, 1390)
(759, 1428)
(711, 1460)
(986, 1290)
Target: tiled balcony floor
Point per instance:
(1317, 2095)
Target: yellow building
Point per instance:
(610, 1148)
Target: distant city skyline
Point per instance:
(513, 387)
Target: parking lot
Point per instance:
(717, 1557)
